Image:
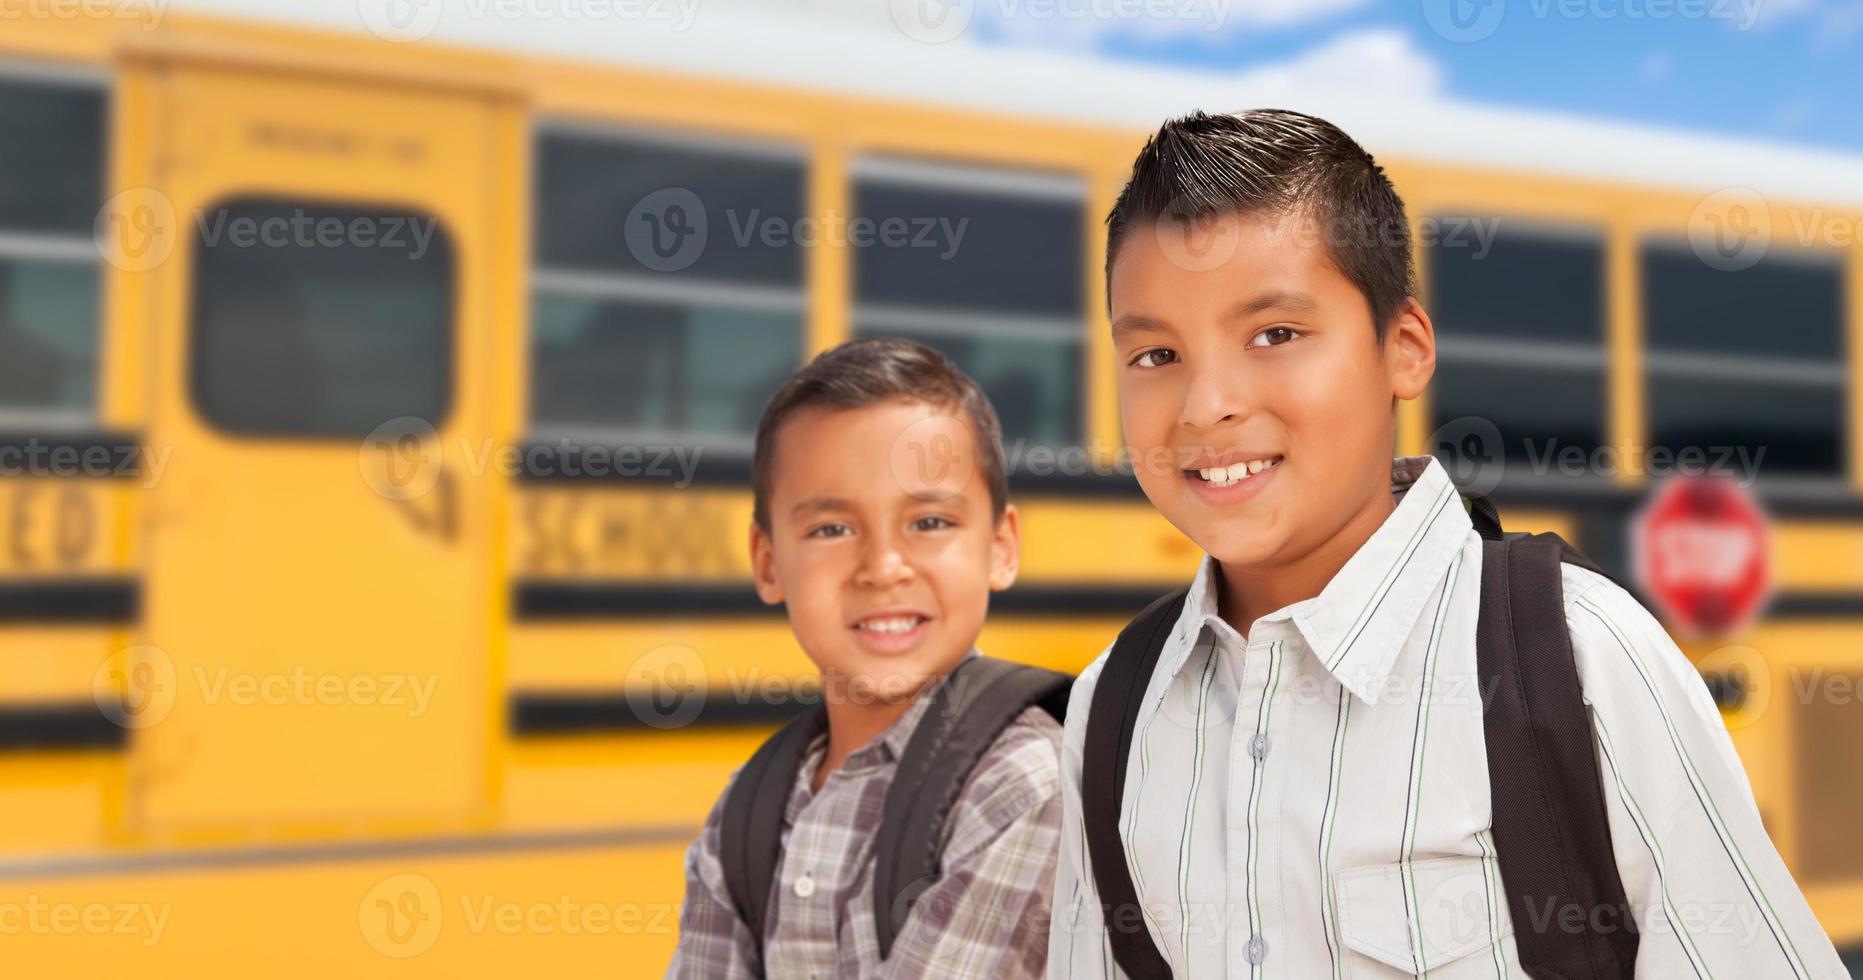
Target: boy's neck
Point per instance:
(1249, 593)
(853, 724)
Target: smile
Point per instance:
(890, 624)
(1234, 473)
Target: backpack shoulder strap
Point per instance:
(970, 709)
(750, 839)
(1551, 833)
(1110, 721)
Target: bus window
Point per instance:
(301, 333)
(668, 296)
(985, 266)
(1747, 359)
(52, 159)
(1520, 335)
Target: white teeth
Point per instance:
(896, 624)
(1223, 476)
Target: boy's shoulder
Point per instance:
(1025, 760)
(1020, 772)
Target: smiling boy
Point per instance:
(1307, 791)
(881, 524)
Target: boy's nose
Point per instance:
(882, 566)
(1212, 398)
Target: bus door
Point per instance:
(321, 587)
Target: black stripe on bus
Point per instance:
(59, 726)
(107, 601)
(684, 466)
(98, 453)
(617, 712)
(536, 601)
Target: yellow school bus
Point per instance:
(373, 478)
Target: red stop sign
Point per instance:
(1702, 552)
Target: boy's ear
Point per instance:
(1006, 549)
(1410, 350)
(763, 565)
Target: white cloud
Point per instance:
(1090, 24)
(1381, 62)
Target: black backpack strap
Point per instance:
(969, 710)
(1110, 720)
(750, 839)
(1551, 832)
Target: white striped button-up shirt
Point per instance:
(1312, 800)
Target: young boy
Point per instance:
(1306, 792)
(882, 525)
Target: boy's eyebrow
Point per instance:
(1281, 299)
(1136, 323)
(820, 504)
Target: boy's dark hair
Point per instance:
(868, 371)
(1275, 162)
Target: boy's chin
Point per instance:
(889, 681)
(1240, 547)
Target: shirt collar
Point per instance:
(1359, 621)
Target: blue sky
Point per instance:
(1790, 70)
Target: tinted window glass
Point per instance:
(1797, 427)
(1033, 382)
(1521, 284)
(1536, 410)
(1785, 306)
(618, 205)
(51, 157)
(48, 335)
(930, 246)
(301, 333)
(656, 366)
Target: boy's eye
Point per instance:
(932, 523)
(1156, 357)
(1273, 337)
(832, 530)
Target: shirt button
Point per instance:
(1258, 747)
(1257, 949)
(805, 886)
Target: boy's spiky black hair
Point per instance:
(1280, 163)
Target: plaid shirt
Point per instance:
(987, 916)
